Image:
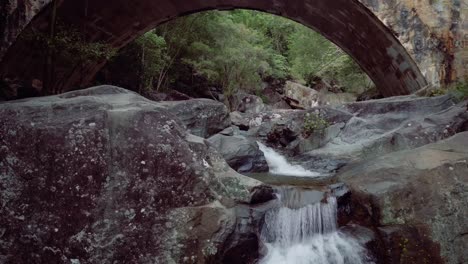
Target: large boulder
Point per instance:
(335, 99)
(171, 95)
(302, 97)
(274, 99)
(378, 127)
(104, 175)
(286, 128)
(203, 117)
(241, 153)
(420, 189)
(248, 103)
(299, 96)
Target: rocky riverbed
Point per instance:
(103, 175)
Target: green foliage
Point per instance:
(153, 54)
(311, 56)
(262, 96)
(231, 56)
(64, 46)
(314, 123)
(71, 45)
(437, 92)
(460, 89)
(237, 50)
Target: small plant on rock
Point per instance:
(313, 122)
(460, 90)
(437, 92)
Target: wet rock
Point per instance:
(203, 117)
(242, 245)
(241, 153)
(285, 128)
(339, 190)
(417, 194)
(262, 194)
(326, 165)
(317, 139)
(103, 175)
(409, 244)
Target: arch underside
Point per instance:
(347, 23)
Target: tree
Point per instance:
(232, 56)
(235, 50)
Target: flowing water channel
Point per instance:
(280, 166)
(302, 229)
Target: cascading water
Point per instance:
(308, 235)
(279, 165)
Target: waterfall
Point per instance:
(279, 165)
(308, 235)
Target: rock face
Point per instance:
(379, 127)
(335, 99)
(434, 32)
(285, 128)
(103, 175)
(203, 117)
(172, 95)
(274, 96)
(358, 131)
(247, 103)
(424, 188)
(302, 97)
(241, 153)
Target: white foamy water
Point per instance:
(308, 235)
(279, 165)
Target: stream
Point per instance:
(302, 228)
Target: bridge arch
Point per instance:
(347, 23)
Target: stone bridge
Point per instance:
(399, 44)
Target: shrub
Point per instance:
(314, 123)
(437, 92)
(460, 90)
(264, 98)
